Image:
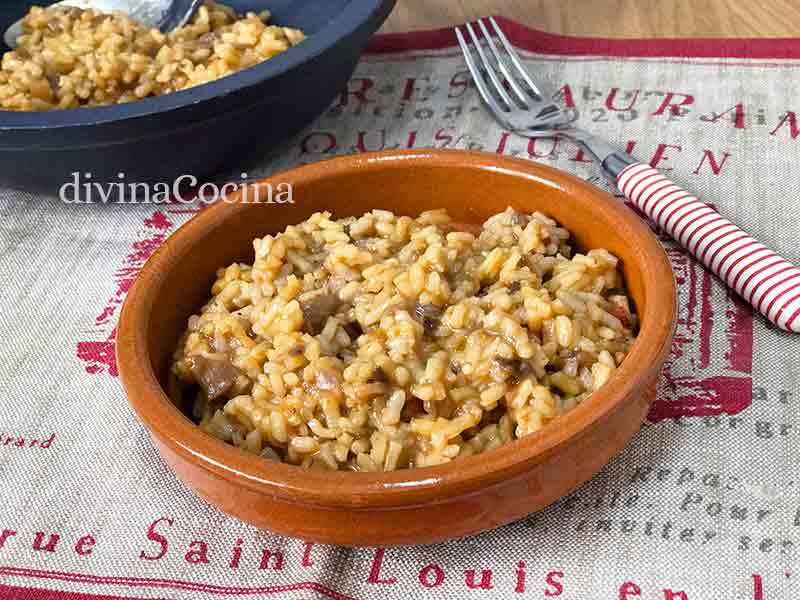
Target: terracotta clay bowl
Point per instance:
(413, 506)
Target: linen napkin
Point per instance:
(702, 505)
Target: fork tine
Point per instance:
(540, 88)
(490, 71)
(523, 96)
(478, 78)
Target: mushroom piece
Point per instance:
(317, 309)
(215, 376)
(353, 330)
(516, 368)
(430, 315)
(413, 407)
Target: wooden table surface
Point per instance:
(613, 18)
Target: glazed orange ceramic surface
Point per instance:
(412, 506)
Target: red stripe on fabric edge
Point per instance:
(177, 584)
(11, 592)
(542, 42)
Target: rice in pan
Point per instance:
(71, 58)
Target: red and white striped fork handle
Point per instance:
(767, 281)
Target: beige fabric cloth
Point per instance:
(704, 501)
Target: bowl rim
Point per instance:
(404, 487)
(356, 14)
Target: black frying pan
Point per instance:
(201, 130)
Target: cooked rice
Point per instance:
(384, 341)
(71, 58)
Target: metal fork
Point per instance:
(524, 105)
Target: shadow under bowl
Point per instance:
(412, 506)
